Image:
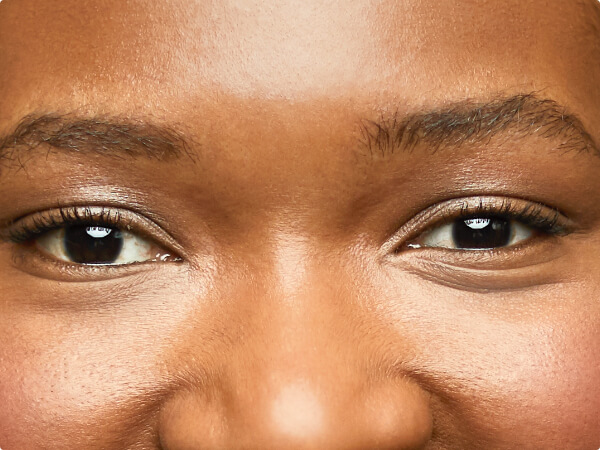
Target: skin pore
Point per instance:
(282, 173)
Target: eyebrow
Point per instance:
(472, 123)
(460, 123)
(111, 136)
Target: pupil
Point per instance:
(482, 233)
(93, 245)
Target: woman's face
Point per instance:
(290, 224)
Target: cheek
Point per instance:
(79, 377)
(572, 378)
(505, 370)
(543, 388)
(85, 365)
(71, 384)
(527, 378)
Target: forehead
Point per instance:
(148, 56)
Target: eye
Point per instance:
(476, 233)
(92, 236)
(480, 223)
(98, 245)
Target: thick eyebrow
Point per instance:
(114, 137)
(471, 123)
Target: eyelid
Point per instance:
(37, 223)
(529, 212)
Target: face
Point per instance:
(299, 224)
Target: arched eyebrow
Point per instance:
(109, 136)
(473, 123)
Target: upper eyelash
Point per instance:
(46, 221)
(532, 214)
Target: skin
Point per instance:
(292, 319)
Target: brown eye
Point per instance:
(476, 233)
(93, 245)
(98, 245)
(482, 233)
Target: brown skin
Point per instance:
(292, 321)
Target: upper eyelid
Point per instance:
(446, 211)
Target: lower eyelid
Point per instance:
(46, 267)
(489, 263)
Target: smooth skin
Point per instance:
(292, 311)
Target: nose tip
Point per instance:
(388, 416)
(301, 414)
(297, 412)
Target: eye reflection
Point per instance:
(93, 245)
(476, 233)
(98, 245)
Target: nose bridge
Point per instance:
(306, 315)
(300, 348)
(302, 375)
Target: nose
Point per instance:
(299, 413)
(304, 374)
(297, 395)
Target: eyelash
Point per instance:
(541, 218)
(34, 226)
